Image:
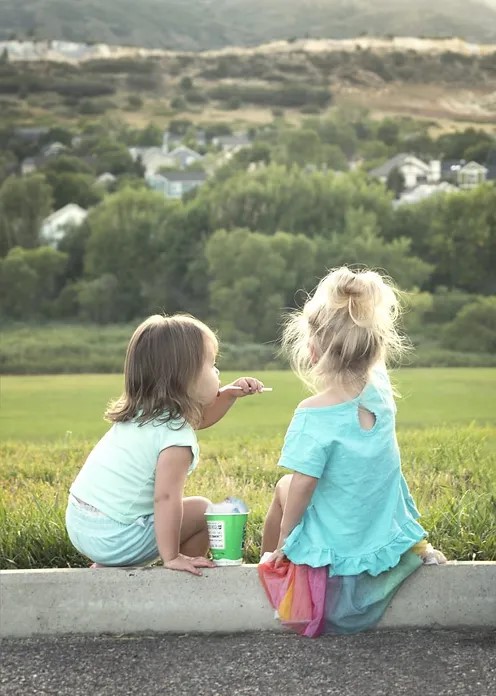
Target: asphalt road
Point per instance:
(423, 663)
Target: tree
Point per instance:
(115, 158)
(66, 164)
(368, 249)
(274, 198)
(74, 188)
(98, 299)
(474, 328)
(247, 296)
(396, 182)
(18, 283)
(462, 239)
(30, 279)
(465, 144)
(300, 147)
(388, 131)
(125, 242)
(24, 203)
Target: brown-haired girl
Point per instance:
(126, 505)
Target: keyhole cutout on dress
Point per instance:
(367, 418)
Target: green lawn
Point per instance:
(446, 419)
(47, 407)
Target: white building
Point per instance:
(471, 175)
(155, 158)
(413, 170)
(54, 227)
(232, 143)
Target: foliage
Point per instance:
(29, 279)
(24, 203)
(474, 327)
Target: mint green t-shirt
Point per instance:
(118, 477)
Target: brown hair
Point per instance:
(164, 358)
(349, 324)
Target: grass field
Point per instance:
(447, 434)
(50, 407)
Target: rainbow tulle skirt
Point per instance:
(310, 602)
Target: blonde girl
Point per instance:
(347, 504)
(126, 505)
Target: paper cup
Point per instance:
(226, 532)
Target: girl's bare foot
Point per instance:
(433, 556)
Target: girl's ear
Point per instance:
(314, 356)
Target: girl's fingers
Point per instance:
(193, 570)
(201, 562)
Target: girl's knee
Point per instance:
(197, 502)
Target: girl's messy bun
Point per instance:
(348, 325)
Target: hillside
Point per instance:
(206, 24)
(445, 80)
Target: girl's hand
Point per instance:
(277, 558)
(189, 564)
(245, 387)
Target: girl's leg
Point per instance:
(272, 526)
(194, 533)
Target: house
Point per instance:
(154, 158)
(232, 143)
(28, 166)
(53, 149)
(424, 191)
(54, 227)
(471, 175)
(183, 156)
(31, 135)
(413, 169)
(175, 184)
(106, 179)
(172, 140)
(467, 175)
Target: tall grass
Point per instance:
(451, 473)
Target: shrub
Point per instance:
(292, 96)
(474, 328)
(134, 102)
(83, 89)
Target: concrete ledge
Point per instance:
(224, 600)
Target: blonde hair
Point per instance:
(164, 358)
(347, 326)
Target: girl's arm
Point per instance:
(299, 495)
(226, 398)
(170, 477)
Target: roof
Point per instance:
(233, 140)
(184, 176)
(106, 176)
(395, 163)
(69, 208)
(31, 133)
(183, 149)
(473, 165)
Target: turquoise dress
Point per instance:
(361, 518)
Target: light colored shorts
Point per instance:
(107, 541)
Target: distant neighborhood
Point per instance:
(423, 179)
(175, 168)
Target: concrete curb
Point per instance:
(226, 600)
